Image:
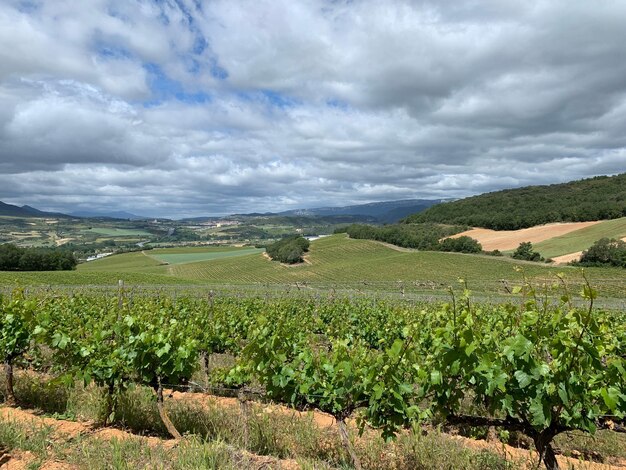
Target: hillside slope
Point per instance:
(599, 198)
(25, 211)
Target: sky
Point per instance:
(180, 108)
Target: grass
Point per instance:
(218, 436)
(85, 278)
(334, 262)
(197, 255)
(124, 263)
(582, 239)
(368, 265)
(118, 232)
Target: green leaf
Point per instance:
(523, 378)
(610, 397)
(435, 377)
(538, 418)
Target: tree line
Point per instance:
(599, 198)
(428, 237)
(15, 258)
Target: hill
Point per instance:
(384, 212)
(11, 210)
(599, 198)
(335, 262)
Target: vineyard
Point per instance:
(539, 366)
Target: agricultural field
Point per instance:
(354, 335)
(352, 383)
(582, 239)
(182, 256)
(55, 232)
(508, 240)
(367, 265)
(334, 262)
(118, 232)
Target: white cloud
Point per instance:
(186, 108)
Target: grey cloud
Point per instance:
(303, 103)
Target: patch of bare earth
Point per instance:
(18, 460)
(23, 460)
(62, 428)
(398, 248)
(510, 239)
(67, 430)
(527, 459)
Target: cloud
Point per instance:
(183, 108)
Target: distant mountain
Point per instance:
(26, 211)
(599, 198)
(110, 215)
(385, 212)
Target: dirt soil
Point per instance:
(67, 430)
(510, 239)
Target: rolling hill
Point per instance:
(599, 198)
(25, 211)
(384, 212)
(343, 263)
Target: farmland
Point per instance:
(195, 255)
(118, 232)
(231, 321)
(342, 262)
(334, 262)
(334, 354)
(582, 239)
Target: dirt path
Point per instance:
(510, 239)
(396, 247)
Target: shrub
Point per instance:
(525, 252)
(462, 244)
(606, 251)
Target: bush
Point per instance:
(605, 252)
(288, 250)
(462, 244)
(525, 252)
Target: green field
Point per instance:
(181, 257)
(582, 239)
(126, 262)
(369, 265)
(118, 232)
(84, 278)
(334, 262)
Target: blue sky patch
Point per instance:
(164, 88)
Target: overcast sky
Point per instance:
(191, 107)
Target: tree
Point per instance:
(288, 250)
(605, 252)
(525, 252)
(462, 244)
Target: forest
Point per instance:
(599, 198)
